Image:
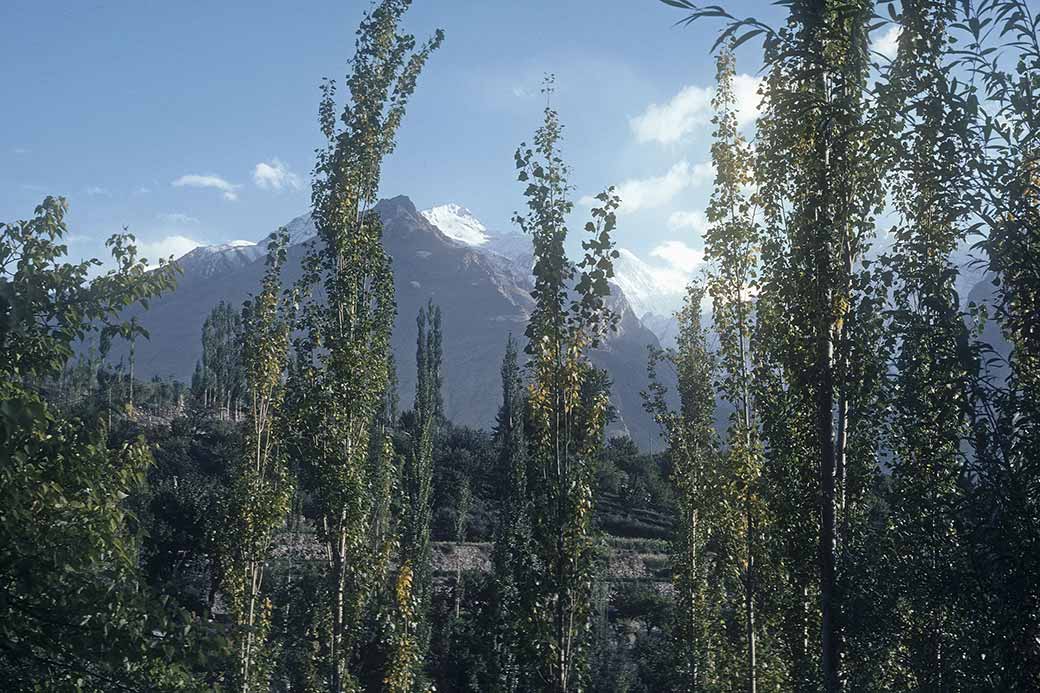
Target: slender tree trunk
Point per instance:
(336, 645)
(749, 588)
(749, 605)
(133, 345)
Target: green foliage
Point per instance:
(701, 500)
(219, 383)
(567, 401)
(513, 551)
(341, 368)
(415, 580)
(75, 613)
(260, 488)
(999, 47)
(731, 246)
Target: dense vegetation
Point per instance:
(868, 518)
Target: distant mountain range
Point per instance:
(651, 299)
(480, 278)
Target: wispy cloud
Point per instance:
(695, 221)
(209, 180)
(690, 110)
(888, 43)
(175, 246)
(176, 218)
(679, 256)
(143, 190)
(275, 175)
(658, 285)
(97, 191)
(648, 193)
(20, 151)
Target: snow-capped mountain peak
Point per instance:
(230, 245)
(457, 223)
(649, 288)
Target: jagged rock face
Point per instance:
(483, 294)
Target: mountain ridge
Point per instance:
(484, 296)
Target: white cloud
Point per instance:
(667, 123)
(143, 190)
(195, 180)
(275, 175)
(691, 109)
(176, 218)
(657, 286)
(888, 43)
(695, 221)
(749, 101)
(647, 193)
(97, 191)
(679, 256)
(175, 245)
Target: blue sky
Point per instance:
(131, 109)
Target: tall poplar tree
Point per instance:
(512, 552)
(1006, 424)
(568, 408)
(260, 488)
(818, 169)
(346, 321)
(702, 517)
(933, 366)
(418, 483)
(731, 247)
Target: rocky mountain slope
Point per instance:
(483, 293)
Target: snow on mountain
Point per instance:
(649, 288)
(457, 223)
(301, 229)
(654, 292)
(230, 245)
(209, 260)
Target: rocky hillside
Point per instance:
(484, 295)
